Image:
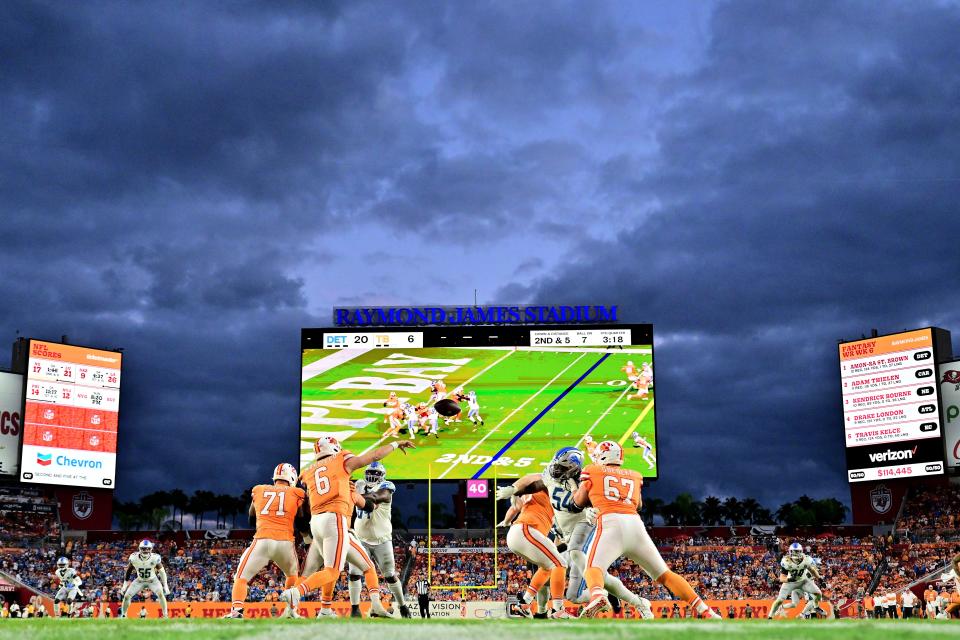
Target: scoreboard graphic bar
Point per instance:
(891, 406)
(71, 415)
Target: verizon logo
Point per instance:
(890, 454)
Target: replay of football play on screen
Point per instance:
(512, 396)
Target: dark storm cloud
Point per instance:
(807, 182)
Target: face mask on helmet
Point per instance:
(375, 474)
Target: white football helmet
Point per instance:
(795, 551)
(608, 452)
(62, 563)
(286, 471)
(146, 548)
(326, 446)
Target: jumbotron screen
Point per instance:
(480, 402)
(71, 411)
(891, 406)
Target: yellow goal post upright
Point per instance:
(496, 565)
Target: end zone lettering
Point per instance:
(473, 315)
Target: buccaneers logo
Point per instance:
(951, 376)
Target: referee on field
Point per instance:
(423, 597)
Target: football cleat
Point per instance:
(377, 611)
(646, 611)
(405, 611)
(710, 613)
(561, 614)
(235, 614)
(327, 612)
(355, 611)
(292, 598)
(596, 606)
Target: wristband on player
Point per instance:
(395, 444)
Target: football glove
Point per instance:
(591, 513)
(505, 493)
(503, 524)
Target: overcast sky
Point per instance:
(195, 182)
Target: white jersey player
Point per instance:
(69, 582)
(146, 569)
(473, 412)
(639, 442)
(798, 571)
(375, 531)
(560, 480)
(411, 418)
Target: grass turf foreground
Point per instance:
(51, 629)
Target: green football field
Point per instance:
(204, 629)
(533, 402)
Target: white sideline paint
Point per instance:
(335, 359)
(509, 415)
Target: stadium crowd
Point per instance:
(721, 568)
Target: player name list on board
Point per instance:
(889, 389)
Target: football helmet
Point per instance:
(286, 471)
(326, 446)
(629, 363)
(566, 464)
(375, 473)
(145, 548)
(795, 551)
(62, 563)
(608, 452)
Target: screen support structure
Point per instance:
(496, 564)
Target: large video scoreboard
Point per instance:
(891, 406)
(70, 417)
(524, 392)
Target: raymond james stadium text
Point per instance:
(415, 316)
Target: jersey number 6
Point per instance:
(323, 482)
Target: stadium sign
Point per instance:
(473, 315)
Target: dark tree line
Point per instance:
(164, 510)
(685, 510)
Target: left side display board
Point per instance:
(71, 415)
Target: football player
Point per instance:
(69, 589)
(474, 408)
(798, 569)
(528, 537)
(459, 397)
(614, 494)
(438, 391)
(375, 531)
(640, 442)
(275, 506)
(630, 370)
(411, 418)
(560, 480)
(331, 503)
(146, 570)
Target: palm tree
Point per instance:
(651, 507)
(712, 510)
(830, 511)
(200, 503)
(179, 501)
(762, 515)
(688, 509)
(783, 513)
(749, 507)
(733, 510)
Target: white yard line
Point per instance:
(464, 384)
(602, 416)
(509, 415)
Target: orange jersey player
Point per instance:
(614, 493)
(275, 506)
(357, 557)
(630, 370)
(530, 519)
(331, 502)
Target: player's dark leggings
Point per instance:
(424, 602)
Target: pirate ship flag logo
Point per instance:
(82, 505)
